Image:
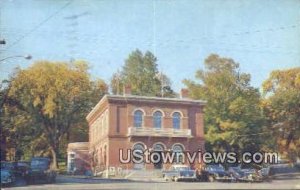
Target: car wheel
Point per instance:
(176, 179)
(211, 178)
(166, 179)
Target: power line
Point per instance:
(192, 41)
(39, 25)
(261, 30)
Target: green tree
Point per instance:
(282, 107)
(52, 99)
(4, 132)
(141, 73)
(17, 134)
(232, 113)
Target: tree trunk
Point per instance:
(54, 152)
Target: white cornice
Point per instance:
(127, 98)
(167, 100)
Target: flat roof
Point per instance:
(135, 98)
(78, 145)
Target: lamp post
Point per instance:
(28, 57)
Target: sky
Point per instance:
(260, 35)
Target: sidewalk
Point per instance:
(92, 177)
(111, 179)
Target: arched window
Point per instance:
(159, 147)
(139, 148)
(176, 120)
(178, 150)
(138, 118)
(157, 119)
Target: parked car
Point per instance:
(252, 173)
(245, 175)
(180, 172)
(214, 172)
(7, 177)
(40, 170)
(19, 169)
(22, 168)
(265, 173)
(11, 166)
(237, 173)
(7, 165)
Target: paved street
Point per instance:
(81, 183)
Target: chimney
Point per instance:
(184, 93)
(127, 90)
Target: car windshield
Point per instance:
(235, 169)
(4, 172)
(182, 168)
(25, 164)
(6, 165)
(39, 163)
(215, 168)
(238, 170)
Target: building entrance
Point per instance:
(141, 164)
(158, 149)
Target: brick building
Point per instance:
(138, 122)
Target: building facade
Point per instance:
(138, 122)
(78, 158)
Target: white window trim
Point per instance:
(179, 145)
(162, 117)
(139, 142)
(182, 116)
(181, 119)
(155, 110)
(138, 109)
(159, 143)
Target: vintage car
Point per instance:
(237, 173)
(7, 177)
(22, 168)
(253, 172)
(19, 169)
(214, 172)
(8, 165)
(246, 173)
(40, 170)
(180, 172)
(265, 172)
